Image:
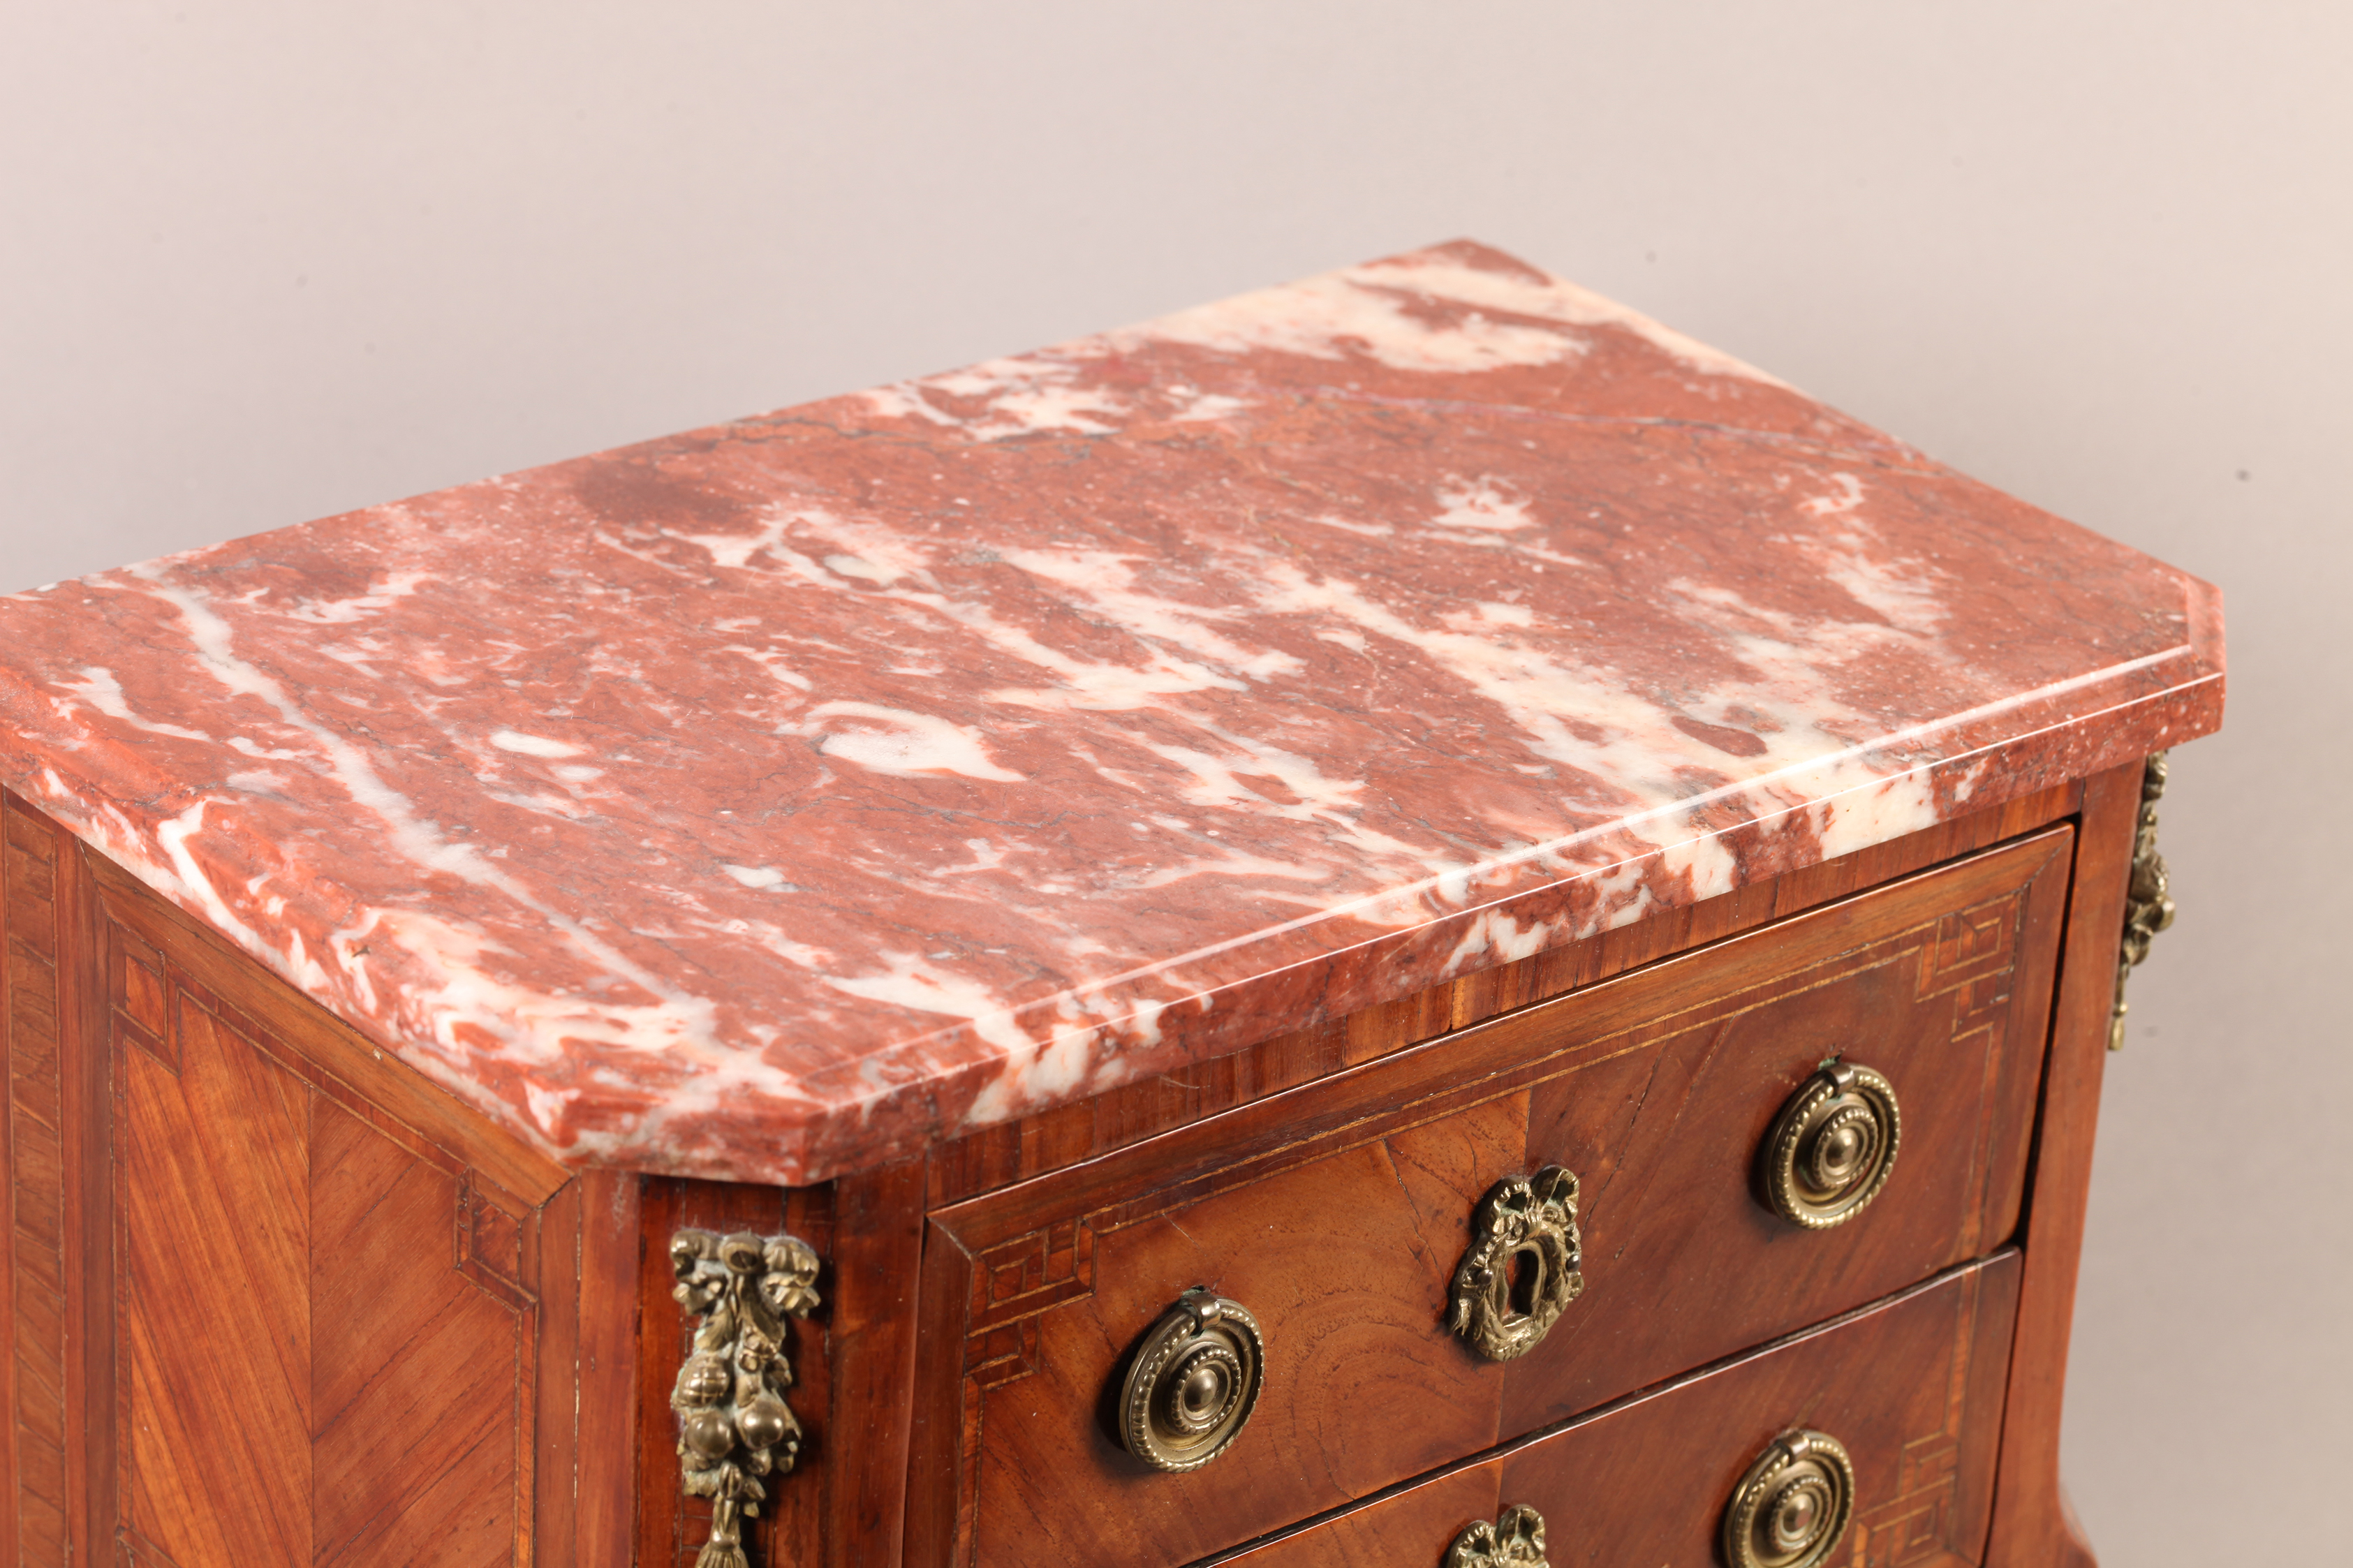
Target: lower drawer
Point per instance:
(1910, 1390)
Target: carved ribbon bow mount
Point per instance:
(1515, 1540)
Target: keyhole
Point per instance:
(1527, 1278)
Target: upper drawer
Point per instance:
(1339, 1215)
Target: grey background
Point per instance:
(261, 262)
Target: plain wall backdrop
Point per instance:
(261, 262)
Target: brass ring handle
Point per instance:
(1792, 1509)
(1193, 1383)
(1832, 1146)
(1515, 1540)
(1523, 1268)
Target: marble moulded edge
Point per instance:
(905, 1107)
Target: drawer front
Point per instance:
(1338, 1215)
(1910, 1390)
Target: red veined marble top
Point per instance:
(767, 801)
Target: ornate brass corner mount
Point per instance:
(1523, 1268)
(2148, 905)
(1515, 1540)
(735, 1427)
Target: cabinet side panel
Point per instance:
(2031, 1521)
(215, 1355)
(418, 1392)
(329, 1311)
(33, 1502)
(311, 1041)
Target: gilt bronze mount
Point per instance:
(735, 1427)
(2148, 904)
(1832, 1147)
(1792, 1509)
(1523, 1268)
(1515, 1540)
(1193, 1384)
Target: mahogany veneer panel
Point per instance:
(33, 1374)
(1912, 1387)
(271, 1298)
(276, 1258)
(2032, 1521)
(1337, 1214)
(1678, 1251)
(325, 1321)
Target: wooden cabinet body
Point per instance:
(269, 1296)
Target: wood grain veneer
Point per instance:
(35, 1502)
(2033, 1521)
(272, 1297)
(426, 1343)
(1911, 1386)
(1337, 1212)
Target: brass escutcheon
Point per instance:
(1522, 1270)
(1792, 1507)
(1193, 1383)
(1515, 1540)
(1832, 1146)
